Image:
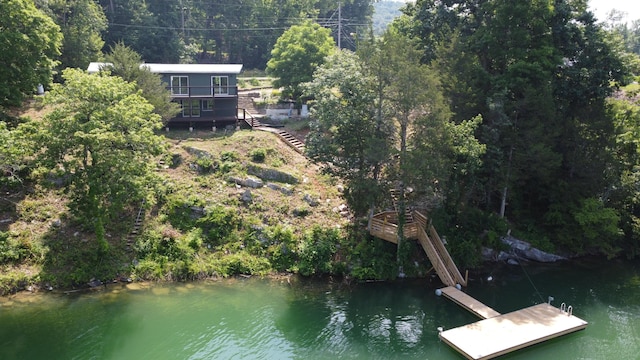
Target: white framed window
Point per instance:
(220, 85)
(180, 85)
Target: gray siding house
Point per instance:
(207, 93)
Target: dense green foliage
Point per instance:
(539, 73)
(126, 63)
(223, 31)
(30, 43)
(297, 54)
(100, 138)
(82, 23)
(371, 115)
(492, 115)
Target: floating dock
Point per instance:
(498, 334)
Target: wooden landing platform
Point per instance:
(503, 334)
(474, 306)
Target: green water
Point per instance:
(277, 319)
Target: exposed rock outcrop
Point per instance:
(519, 250)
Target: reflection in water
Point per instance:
(316, 319)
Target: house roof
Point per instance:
(180, 68)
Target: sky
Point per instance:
(602, 7)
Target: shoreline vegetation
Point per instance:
(238, 203)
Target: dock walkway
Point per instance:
(474, 306)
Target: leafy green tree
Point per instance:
(297, 54)
(151, 28)
(623, 193)
(100, 138)
(345, 135)
(379, 118)
(539, 73)
(82, 23)
(30, 43)
(125, 62)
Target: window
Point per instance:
(190, 108)
(180, 85)
(220, 85)
(207, 105)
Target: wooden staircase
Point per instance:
(408, 216)
(137, 225)
(245, 101)
(439, 257)
(384, 226)
(291, 140)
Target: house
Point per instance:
(207, 93)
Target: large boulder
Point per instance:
(518, 250)
(247, 182)
(523, 249)
(272, 175)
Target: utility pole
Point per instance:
(182, 13)
(339, 24)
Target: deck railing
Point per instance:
(384, 225)
(432, 253)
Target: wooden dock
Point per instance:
(474, 306)
(498, 334)
(495, 334)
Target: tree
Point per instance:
(297, 54)
(345, 135)
(151, 28)
(30, 43)
(125, 62)
(539, 73)
(82, 23)
(100, 138)
(379, 119)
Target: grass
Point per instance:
(49, 247)
(215, 188)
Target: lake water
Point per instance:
(318, 319)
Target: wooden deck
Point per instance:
(384, 226)
(498, 334)
(503, 334)
(474, 306)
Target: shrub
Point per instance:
(258, 155)
(205, 164)
(229, 156)
(179, 211)
(281, 247)
(13, 281)
(368, 257)
(317, 250)
(301, 211)
(166, 243)
(243, 263)
(228, 166)
(218, 224)
(8, 251)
